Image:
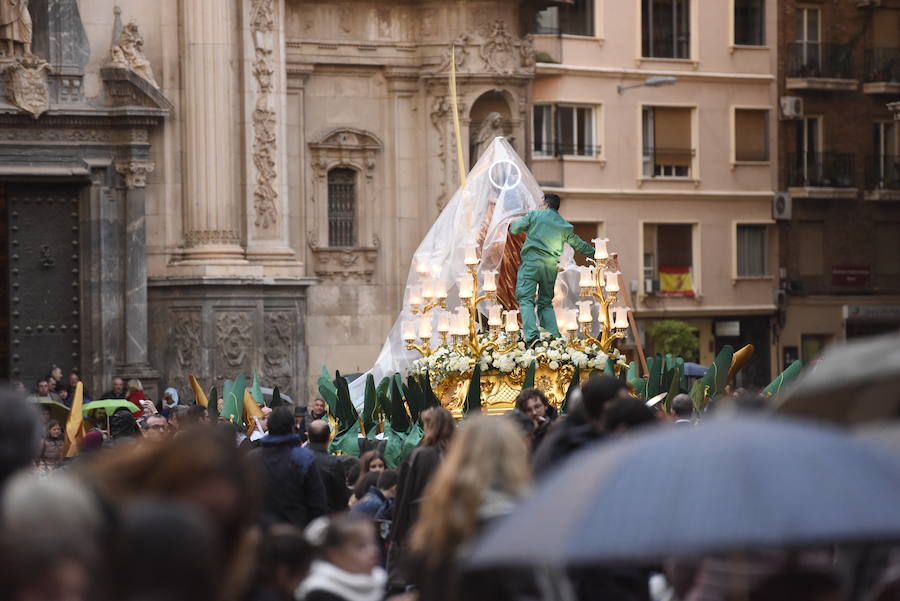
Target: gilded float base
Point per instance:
(499, 390)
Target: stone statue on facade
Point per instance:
(15, 26)
(490, 128)
(128, 52)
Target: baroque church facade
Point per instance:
(216, 187)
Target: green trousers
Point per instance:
(537, 275)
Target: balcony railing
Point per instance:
(822, 170)
(883, 172)
(816, 60)
(883, 65)
(562, 149)
(668, 162)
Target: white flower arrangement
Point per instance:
(553, 352)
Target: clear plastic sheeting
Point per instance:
(499, 190)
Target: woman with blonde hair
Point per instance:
(416, 472)
(482, 478)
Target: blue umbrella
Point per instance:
(728, 485)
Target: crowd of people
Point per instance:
(165, 505)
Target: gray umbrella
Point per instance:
(854, 382)
(727, 485)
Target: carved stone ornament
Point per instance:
(185, 339)
(233, 340)
(135, 172)
(501, 53)
(26, 84)
(278, 335)
(499, 50)
(345, 263)
(127, 52)
(265, 139)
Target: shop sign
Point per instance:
(850, 275)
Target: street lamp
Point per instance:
(651, 82)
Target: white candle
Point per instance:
(512, 321)
(415, 296)
(495, 317)
(440, 289)
(465, 287)
(409, 331)
(471, 254)
(461, 327)
(612, 281)
(621, 319)
(600, 249)
(584, 312)
(425, 327)
(421, 266)
(586, 280)
(490, 281)
(443, 325)
(571, 321)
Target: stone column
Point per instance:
(211, 207)
(134, 173)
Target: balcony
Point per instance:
(566, 151)
(882, 74)
(548, 160)
(815, 66)
(674, 163)
(883, 177)
(822, 175)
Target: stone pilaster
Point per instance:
(265, 140)
(211, 206)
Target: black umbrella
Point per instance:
(725, 486)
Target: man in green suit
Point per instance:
(546, 233)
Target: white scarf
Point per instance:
(324, 576)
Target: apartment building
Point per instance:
(839, 148)
(656, 122)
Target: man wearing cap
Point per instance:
(546, 234)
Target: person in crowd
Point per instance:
(370, 461)
(18, 387)
(534, 404)
(347, 568)
(300, 413)
(318, 410)
(56, 373)
(117, 391)
(293, 489)
(524, 423)
(683, 408)
(283, 562)
(176, 417)
(416, 472)
(583, 424)
(20, 433)
(42, 390)
(165, 533)
(52, 447)
(136, 394)
(64, 397)
(333, 476)
(194, 416)
(483, 477)
(169, 401)
(51, 532)
(123, 427)
(626, 414)
(52, 384)
(73, 381)
(204, 471)
(383, 492)
(154, 427)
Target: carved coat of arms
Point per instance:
(27, 87)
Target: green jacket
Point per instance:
(546, 234)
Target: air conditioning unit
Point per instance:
(791, 107)
(651, 286)
(781, 206)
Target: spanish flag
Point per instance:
(676, 281)
(75, 423)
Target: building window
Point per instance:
(751, 135)
(341, 207)
(812, 345)
(666, 28)
(564, 130)
(809, 40)
(883, 169)
(668, 151)
(668, 259)
(570, 19)
(749, 23)
(752, 251)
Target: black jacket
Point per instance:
(293, 491)
(333, 476)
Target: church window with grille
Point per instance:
(341, 207)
